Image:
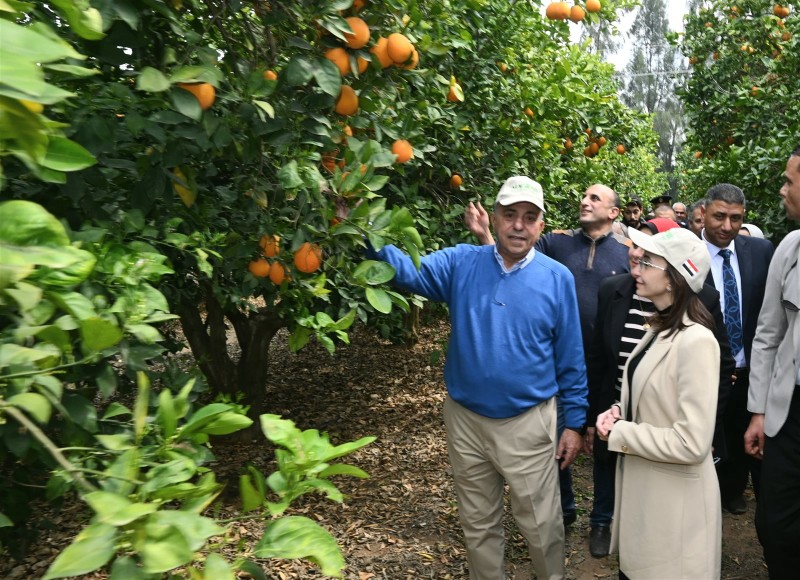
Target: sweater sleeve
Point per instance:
(433, 278)
(570, 363)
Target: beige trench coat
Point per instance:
(667, 514)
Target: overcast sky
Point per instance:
(675, 11)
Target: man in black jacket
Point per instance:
(620, 325)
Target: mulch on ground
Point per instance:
(402, 523)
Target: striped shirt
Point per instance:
(641, 309)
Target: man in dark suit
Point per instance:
(739, 268)
(620, 325)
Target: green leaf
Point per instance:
(266, 107)
(140, 406)
(116, 509)
(85, 21)
(298, 72)
(253, 569)
(73, 70)
(36, 405)
(344, 469)
(379, 299)
(166, 413)
(90, 550)
(125, 568)
(26, 43)
(298, 537)
(99, 334)
(289, 176)
(24, 223)
(251, 498)
(327, 76)
(217, 568)
(152, 80)
(4, 521)
(65, 155)
(373, 272)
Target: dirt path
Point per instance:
(402, 522)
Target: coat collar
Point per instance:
(656, 352)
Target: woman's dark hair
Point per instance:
(684, 301)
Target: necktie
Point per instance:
(733, 313)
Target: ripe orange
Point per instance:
(381, 51)
(362, 64)
(340, 58)
(329, 160)
(576, 14)
(452, 96)
(413, 61)
(270, 75)
(786, 36)
(780, 11)
(308, 258)
(621, 149)
(588, 131)
(347, 103)
(754, 91)
(593, 6)
(602, 141)
(403, 150)
(357, 5)
(203, 92)
(259, 268)
(528, 111)
(568, 144)
(456, 181)
(277, 273)
(557, 11)
(399, 48)
(503, 67)
(348, 130)
(360, 36)
(270, 245)
(698, 154)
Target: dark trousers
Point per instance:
(778, 508)
(734, 470)
(603, 473)
(565, 475)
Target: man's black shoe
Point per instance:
(736, 505)
(569, 519)
(600, 541)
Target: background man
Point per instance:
(513, 349)
(680, 211)
(774, 398)
(632, 212)
(695, 221)
(739, 272)
(592, 253)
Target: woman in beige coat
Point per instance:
(667, 515)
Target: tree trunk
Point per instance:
(208, 338)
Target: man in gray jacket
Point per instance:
(774, 397)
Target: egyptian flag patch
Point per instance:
(689, 266)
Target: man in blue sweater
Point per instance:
(592, 253)
(513, 349)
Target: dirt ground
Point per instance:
(402, 522)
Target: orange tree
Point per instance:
(741, 101)
(215, 124)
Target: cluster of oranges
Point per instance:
(562, 11)
(396, 49)
(593, 148)
(307, 259)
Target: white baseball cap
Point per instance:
(683, 250)
(520, 188)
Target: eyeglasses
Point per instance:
(644, 265)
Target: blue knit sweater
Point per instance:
(590, 262)
(514, 336)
